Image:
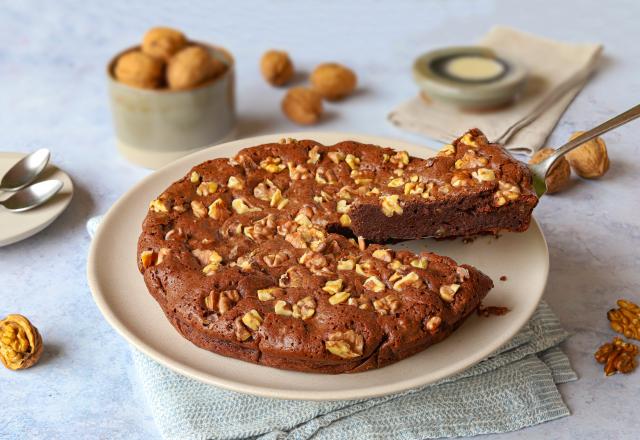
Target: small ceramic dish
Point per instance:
(469, 77)
(16, 226)
(156, 126)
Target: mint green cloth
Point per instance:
(511, 389)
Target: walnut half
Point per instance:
(347, 345)
(625, 319)
(617, 356)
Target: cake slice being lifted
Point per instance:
(471, 187)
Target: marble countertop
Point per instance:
(53, 94)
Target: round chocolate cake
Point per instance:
(264, 257)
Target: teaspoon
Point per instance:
(32, 196)
(25, 171)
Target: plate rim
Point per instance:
(265, 391)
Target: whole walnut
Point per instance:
(191, 67)
(276, 67)
(590, 160)
(138, 69)
(163, 42)
(333, 81)
(20, 343)
(559, 176)
(302, 105)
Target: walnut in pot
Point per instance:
(191, 67)
(302, 106)
(20, 343)
(139, 69)
(276, 67)
(333, 81)
(559, 176)
(163, 42)
(590, 160)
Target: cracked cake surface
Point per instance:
(256, 257)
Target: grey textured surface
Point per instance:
(53, 93)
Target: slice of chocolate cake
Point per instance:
(471, 187)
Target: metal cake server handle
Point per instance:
(541, 170)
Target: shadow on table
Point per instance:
(72, 220)
(50, 352)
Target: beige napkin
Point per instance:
(557, 72)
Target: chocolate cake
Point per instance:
(256, 257)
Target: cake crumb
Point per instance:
(491, 311)
(503, 278)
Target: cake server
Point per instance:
(541, 171)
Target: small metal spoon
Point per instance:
(541, 170)
(25, 171)
(32, 196)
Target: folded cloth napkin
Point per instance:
(513, 388)
(557, 72)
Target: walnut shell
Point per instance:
(163, 42)
(590, 160)
(302, 105)
(276, 67)
(191, 67)
(20, 343)
(138, 69)
(560, 175)
(333, 81)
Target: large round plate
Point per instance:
(16, 226)
(121, 295)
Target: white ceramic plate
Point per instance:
(121, 295)
(16, 226)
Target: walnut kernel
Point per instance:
(390, 205)
(304, 308)
(241, 332)
(617, 356)
(333, 286)
(339, 298)
(252, 319)
(159, 206)
(625, 319)
(374, 284)
(282, 308)
(447, 292)
(347, 345)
